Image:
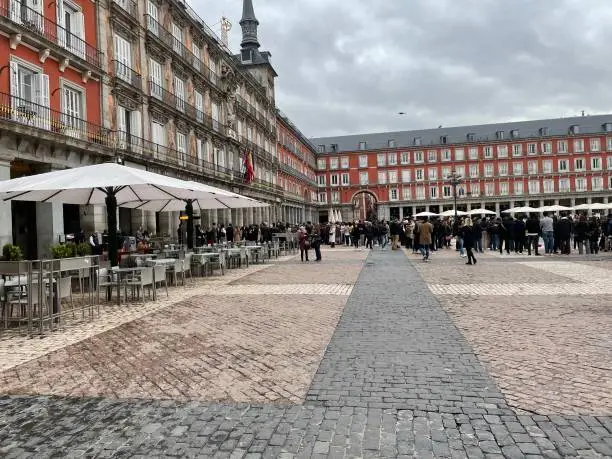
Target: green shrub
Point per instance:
(83, 249)
(63, 250)
(12, 252)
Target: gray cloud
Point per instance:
(349, 67)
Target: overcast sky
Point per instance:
(350, 66)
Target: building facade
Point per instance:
(565, 161)
(147, 83)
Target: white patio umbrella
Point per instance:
(110, 184)
(481, 211)
(426, 214)
(451, 213)
(520, 210)
(582, 207)
(332, 217)
(553, 208)
(338, 216)
(598, 206)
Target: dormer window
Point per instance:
(391, 143)
(362, 145)
(607, 127)
(443, 139)
(514, 133)
(574, 129)
(543, 131)
(499, 135)
(471, 137)
(416, 141)
(321, 149)
(334, 148)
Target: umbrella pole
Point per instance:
(189, 212)
(111, 218)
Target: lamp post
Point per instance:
(455, 179)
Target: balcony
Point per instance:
(43, 31)
(156, 91)
(127, 8)
(125, 74)
(33, 116)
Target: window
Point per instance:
(595, 145)
(418, 156)
(578, 146)
(446, 171)
(344, 162)
(532, 167)
(447, 191)
(152, 12)
(499, 135)
(181, 148)
(517, 168)
(489, 170)
(547, 167)
(609, 162)
(534, 186)
(321, 180)
(71, 30)
(128, 127)
(123, 58)
(321, 164)
(179, 92)
(323, 197)
(609, 143)
(392, 176)
(432, 156)
(596, 183)
(564, 185)
(475, 189)
(363, 161)
(382, 177)
(72, 111)
(381, 160)
(470, 137)
(334, 180)
(334, 148)
(177, 38)
(518, 188)
(443, 139)
(503, 169)
(446, 155)
(581, 184)
(158, 134)
(406, 194)
(346, 179)
(391, 143)
(532, 148)
(574, 129)
(596, 164)
(335, 197)
(561, 146)
(546, 147)
(549, 186)
(563, 165)
(517, 149)
(215, 118)
(363, 145)
(433, 192)
(420, 192)
(320, 148)
(363, 178)
(502, 151)
(504, 188)
(473, 152)
(405, 157)
(406, 175)
(579, 164)
(543, 131)
(200, 151)
(392, 159)
(416, 141)
(432, 173)
(473, 170)
(459, 154)
(156, 81)
(514, 133)
(489, 189)
(393, 195)
(607, 127)
(333, 163)
(419, 175)
(460, 171)
(195, 50)
(488, 152)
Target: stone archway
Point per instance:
(365, 205)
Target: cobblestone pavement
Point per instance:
(398, 379)
(550, 353)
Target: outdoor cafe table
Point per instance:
(124, 271)
(161, 262)
(204, 258)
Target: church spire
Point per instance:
(249, 24)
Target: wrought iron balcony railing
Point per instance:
(129, 6)
(31, 20)
(125, 73)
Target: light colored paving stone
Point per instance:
(284, 289)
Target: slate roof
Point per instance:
(459, 135)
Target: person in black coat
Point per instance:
(518, 230)
(467, 234)
(564, 232)
(532, 228)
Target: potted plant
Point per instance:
(12, 252)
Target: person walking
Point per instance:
(532, 228)
(332, 235)
(468, 234)
(316, 241)
(425, 232)
(547, 229)
(304, 242)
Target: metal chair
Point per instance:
(160, 276)
(65, 291)
(140, 282)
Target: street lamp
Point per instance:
(455, 179)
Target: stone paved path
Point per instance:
(398, 379)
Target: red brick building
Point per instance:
(564, 161)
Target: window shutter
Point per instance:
(42, 96)
(199, 150)
(15, 88)
(16, 11)
(79, 30)
(121, 127)
(61, 31)
(135, 123)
